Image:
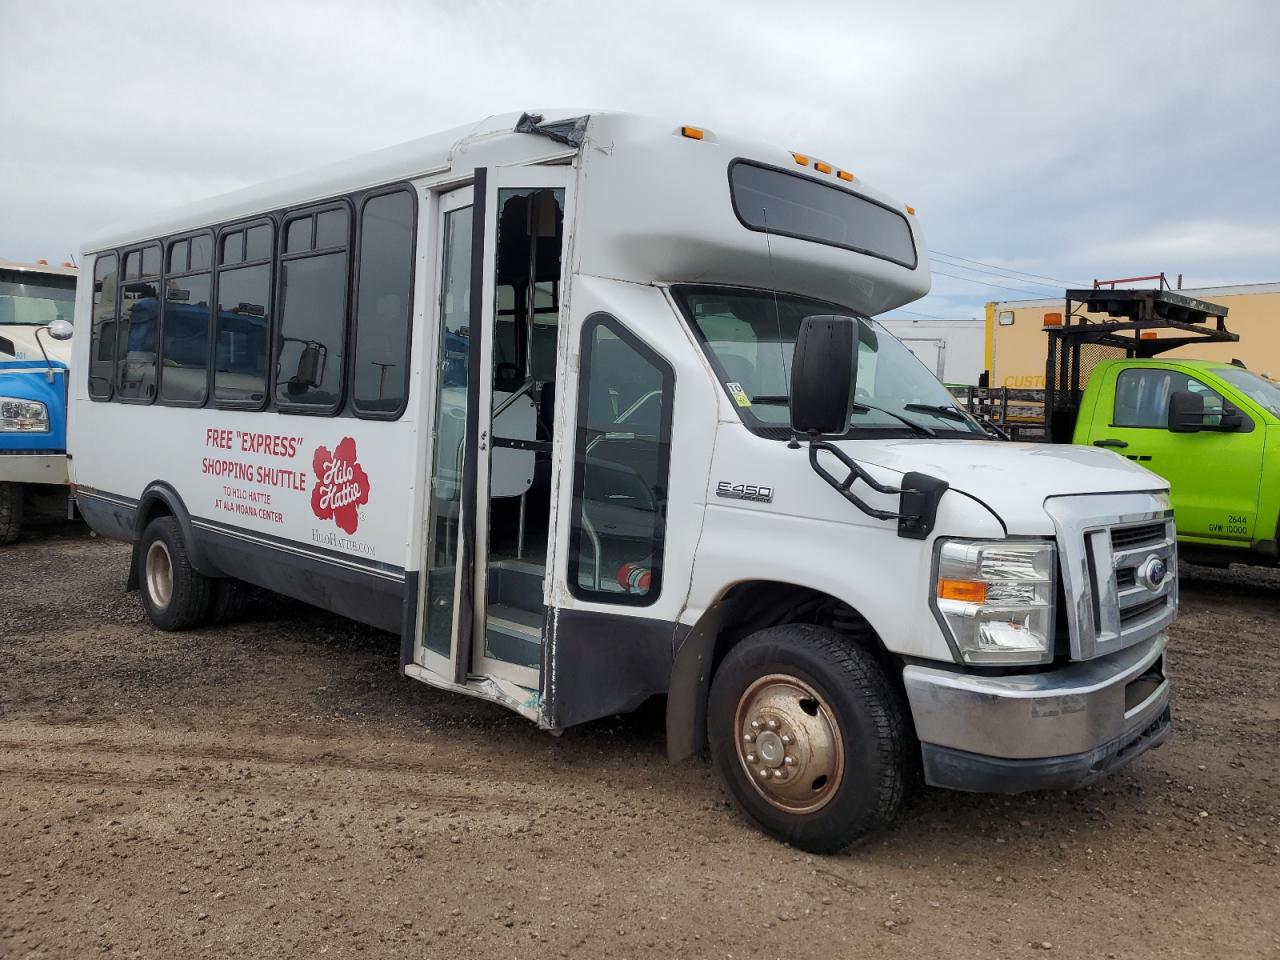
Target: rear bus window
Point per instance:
(102, 337)
(789, 205)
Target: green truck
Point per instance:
(1211, 429)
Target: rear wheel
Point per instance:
(808, 736)
(174, 594)
(230, 596)
(10, 512)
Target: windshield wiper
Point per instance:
(941, 409)
(919, 428)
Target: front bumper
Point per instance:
(33, 468)
(1057, 729)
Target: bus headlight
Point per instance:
(995, 598)
(23, 416)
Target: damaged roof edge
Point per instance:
(570, 132)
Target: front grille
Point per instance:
(1124, 537)
(1141, 611)
(1110, 560)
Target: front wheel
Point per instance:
(10, 512)
(174, 594)
(808, 736)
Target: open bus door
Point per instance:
(496, 322)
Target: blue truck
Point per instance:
(37, 304)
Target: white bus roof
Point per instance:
(629, 160)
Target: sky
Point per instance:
(1041, 143)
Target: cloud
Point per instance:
(1068, 140)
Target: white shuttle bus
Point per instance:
(591, 408)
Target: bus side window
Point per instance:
(102, 338)
(621, 463)
(384, 298)
(310, 347)
(184, 336)
(243, 322)
(138, 327)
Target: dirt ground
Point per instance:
(274, 788)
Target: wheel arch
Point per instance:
(160, 499)
(740, 610)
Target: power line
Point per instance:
(926, 316)
(982, 283)
(1056, 280)
(993, 273)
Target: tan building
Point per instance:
(1016, 341)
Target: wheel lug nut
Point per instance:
(773, 724)
(764, 772)
(751, 758)
(755, 724)
(789, 761)
(786, 739)
(778, 774)
(749, 737)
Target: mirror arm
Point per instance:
(918, 497)
(48, 366)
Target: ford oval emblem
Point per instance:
(1152, 572)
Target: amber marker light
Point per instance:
(1053, 319)
(845, 175)
(1150, 335)
(693, 133)
(822, 167)
(967, 591)
(911, 211)
(801, 159)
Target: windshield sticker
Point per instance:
(739, 395)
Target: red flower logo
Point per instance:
(341, 487)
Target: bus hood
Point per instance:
(1012, 479)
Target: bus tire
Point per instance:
(229, 598)
(808, 736)
(174, 595)
(10, 512)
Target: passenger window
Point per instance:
(384, 298)
(620, 471)
(179, 256)
(102, 338)
(138, 329)
(184, 332)
(232, 248)
(202, 252)
(331, 229)
(1142, 397)
(242, 325)
(297, 237)
(310, 348)
(257, 242)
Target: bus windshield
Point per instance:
(750, 336)
(1265, 393)
(35, 299)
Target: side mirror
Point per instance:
(823, 372)
(60, 329)
(1186, 412)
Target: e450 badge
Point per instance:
(744, 491)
